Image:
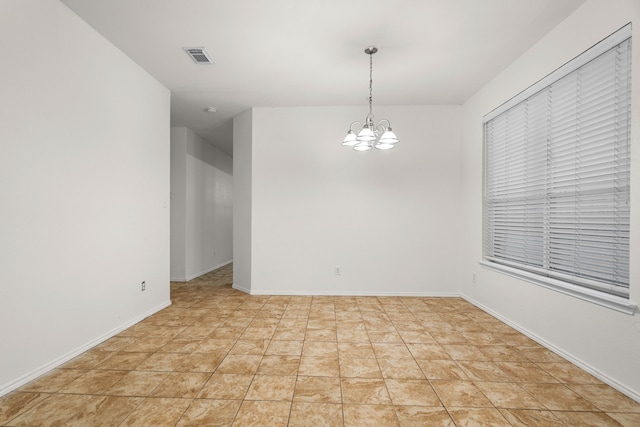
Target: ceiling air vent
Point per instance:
(199, 55)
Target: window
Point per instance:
(557, 166)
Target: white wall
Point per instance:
(201, 206)
(178, 203)
(603, 341)
(242, 209)
(387, 219)
(84, 184)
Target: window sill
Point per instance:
(613, 302)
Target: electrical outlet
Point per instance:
(144, 285)
(337, 271)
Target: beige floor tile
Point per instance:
(109, 411)
(279, 365)
(252, 333)
(502, 353)
(255, 347)
(400, 368)
(586, 419)
(464, 352)
(261, 413)
(318, 389)
(199, 362)
(411, 392)
(157, 412)
(483, 371)
(289, 334)
(55, 410)
(385, 337)
(468, 417)
(369, 416)
(481, 338)
(428, 351)
(364, 391)
(606, 398)
(226, 386)
(136, 383)
(17, 403)
(558, 397)
(540, 354)
(531, 418)
(124, 360)
(366, 361)
(53, 381)
(321, 335)
(442, 370)
(115, 343)
(181, 385)
(319, 366)
(352, 335)
(284, 348)
(626, 419)
(355, 350)
(460, 393)
(416, 337)
(181, 346)
(94, 382)
(448, 337)
(210, 412)
(215, 345)
(271, 387)
(304, 414)
(359, 368)
(418, 416)
(569, 373)
(239, 364)
(390, 350)
(527, 372)
(147, 344)
(88, 360)
(320, 349)
(509, 395)
(165, 362)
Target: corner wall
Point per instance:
(201, 206)
(242, 204)
(603, 341)
(388, 220)
(84, 178)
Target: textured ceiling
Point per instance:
(279, 53)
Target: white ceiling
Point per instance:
(278, 53)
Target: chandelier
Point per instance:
(370, 134)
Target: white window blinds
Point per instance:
(557, 162)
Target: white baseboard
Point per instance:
(349, 293)
(601, 376)
(241, 289)
(6, 388)
(193, 276)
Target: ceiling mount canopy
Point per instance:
(370, 134)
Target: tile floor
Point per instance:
(218, 357)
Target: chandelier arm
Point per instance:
(355, 122)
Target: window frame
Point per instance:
(616, 302)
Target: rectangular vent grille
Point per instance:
(199, 55)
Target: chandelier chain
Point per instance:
(370, 84)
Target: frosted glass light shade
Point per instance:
(366, 134)
(388, 137)
(363, 146)
(350, 140)
(383, 146)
